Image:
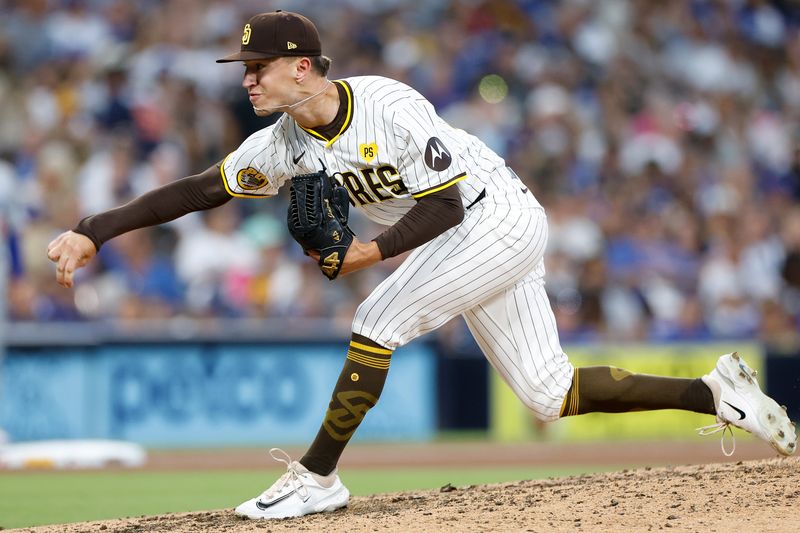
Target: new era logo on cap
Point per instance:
(279, 33)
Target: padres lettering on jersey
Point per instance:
(382, 184)
(391, 150)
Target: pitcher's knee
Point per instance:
(380, 332)
(546, 411)
(545, 398)
(544, 406)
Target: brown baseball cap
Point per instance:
(275, 34)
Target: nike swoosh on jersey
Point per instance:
(480, 197)
(264, 506)
(741, 413)
(298, 158)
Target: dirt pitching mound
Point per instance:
(746, 496)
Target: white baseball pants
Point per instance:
(490, 270)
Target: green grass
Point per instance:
(38, 498)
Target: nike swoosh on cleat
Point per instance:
(265, 506)
(298, 158)
(741, 413)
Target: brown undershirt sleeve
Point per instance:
(430, 217)
(195, 193)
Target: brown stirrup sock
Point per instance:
(606, 389)
(357, 391)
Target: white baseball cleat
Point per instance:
(741, 403)
(298, 492)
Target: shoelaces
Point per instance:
(290, 477)
(716, 428)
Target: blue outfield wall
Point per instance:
(179, 395)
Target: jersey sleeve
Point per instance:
(256, 168)
(430, 161)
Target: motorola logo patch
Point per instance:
(437, 157)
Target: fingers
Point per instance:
(65, 270)
(60, 272)
(69, 252)
(54, 248)
(56, 254)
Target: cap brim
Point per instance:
(246, 55)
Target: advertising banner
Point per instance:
(204, 395)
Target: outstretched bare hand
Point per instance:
(70, 251)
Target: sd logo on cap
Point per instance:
(275, 34)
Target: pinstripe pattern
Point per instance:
(523, 347)
(507, 312)
(489, 268)
(399, 121)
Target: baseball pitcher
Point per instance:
(477, 233)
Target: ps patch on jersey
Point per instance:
(250, 179)
(368, 151)
(437, 157)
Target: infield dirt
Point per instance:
(752, 496)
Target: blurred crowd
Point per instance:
(662, 138)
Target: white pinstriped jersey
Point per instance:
(392, 148)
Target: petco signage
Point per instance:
(201, 395)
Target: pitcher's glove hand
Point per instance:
(317, 219)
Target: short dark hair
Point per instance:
(321, 64)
